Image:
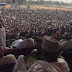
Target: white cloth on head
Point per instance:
(2, 37)
(26, 43)
(17, 43)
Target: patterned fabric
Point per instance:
(42, 66)
(32, 65)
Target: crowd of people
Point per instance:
(36, 22)
(42, 39)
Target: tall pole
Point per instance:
(15, 6)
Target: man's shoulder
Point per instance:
(67, 41)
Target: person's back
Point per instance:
(43, 66)
(26, 43)
(66, 42)
(49, 53)
(50, 61)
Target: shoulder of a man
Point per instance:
(61, 65)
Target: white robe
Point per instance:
(2, 37)
(17, 43)
(26, 43)
(41, 66)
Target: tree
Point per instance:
(8, 2)
(41, 1)
(62, 3)
(57, 3)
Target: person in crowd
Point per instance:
(27, 42)
(17, 43)
(36, 22)
(6, 62)
(2, 35)
(23, 43)
(66, 42)
(50, 59)
(38, 45)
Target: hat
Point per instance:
(50, 44)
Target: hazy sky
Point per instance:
(68, 1)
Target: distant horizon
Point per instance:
(65, 1)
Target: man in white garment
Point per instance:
(17, 43)
(2, 35)
(25, 43)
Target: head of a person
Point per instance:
(58, 33)
(66, 36)
(27, 36)
(50, 47)
(38, 39)
(54, 36)
(21, 37)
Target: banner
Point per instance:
(17, 7)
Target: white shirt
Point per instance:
(26, 43)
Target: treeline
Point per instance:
(39, 2)
(42, 2)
